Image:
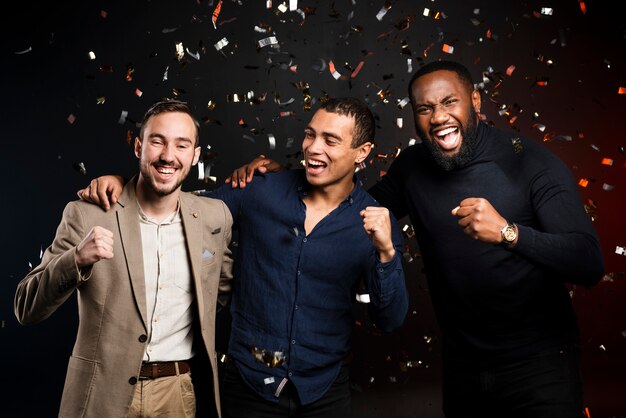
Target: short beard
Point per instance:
(466, 152)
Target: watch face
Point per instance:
(509, 234)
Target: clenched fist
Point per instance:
(377, 225)
(96, 246)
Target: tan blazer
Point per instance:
(107, 355)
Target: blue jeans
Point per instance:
(545, 385)
(240, 401)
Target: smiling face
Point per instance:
(445, 109)
(166, 152)
(329, 155)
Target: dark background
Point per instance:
(62, 112)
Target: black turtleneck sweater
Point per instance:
(494, 303)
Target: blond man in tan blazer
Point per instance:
(148, 274)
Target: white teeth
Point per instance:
(165, 170)
(315, 163)
(446, 131)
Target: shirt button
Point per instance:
(297, 307)
(298, 272)
(132, 380)
(289, 374)
(381, 270)
(293, 341)
(304, 240)
(143, 338)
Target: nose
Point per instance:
(314, 145)
(439, 115)
(167, 153)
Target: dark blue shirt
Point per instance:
(293, 293)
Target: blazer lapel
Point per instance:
(130, 233)
(192, 224)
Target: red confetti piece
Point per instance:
(357, 69)
(216, 13)
(138, 92)
(621, 90)
(607, 161)
(583, 182)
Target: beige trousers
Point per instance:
(170, 396)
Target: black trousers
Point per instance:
(240, 401)
(546, 385)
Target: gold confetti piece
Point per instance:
(547, 11)
(448, 49)
(602, 347)
(607, 187)
(92, 55)
(621, 90)
(71, 118)
(607, 161)
(211, 105)
(620, 250)
(399, 122)
(180, 51)
(269, 358)
(595, 147)
(426, 12)
(583, 182)
(539, 126)
(549, 136)
(216, 13)
(80, 167)
(272, 141)
(100, 100)
(129, 72)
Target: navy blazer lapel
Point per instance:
(130, 234)
(193, 227)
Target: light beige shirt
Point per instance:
(169, 292)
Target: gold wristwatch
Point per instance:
(509, 234)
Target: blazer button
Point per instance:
(132, 380)
(143, 338)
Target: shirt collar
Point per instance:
(303, 188)
(173, 218)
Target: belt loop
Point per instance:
(177, 369)
(155, 369)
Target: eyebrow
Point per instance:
(449, 96)
(324, 133)
(161, 136)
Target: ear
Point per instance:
(362, 152)
(196, 155)
(137, 147)
(476, 101)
